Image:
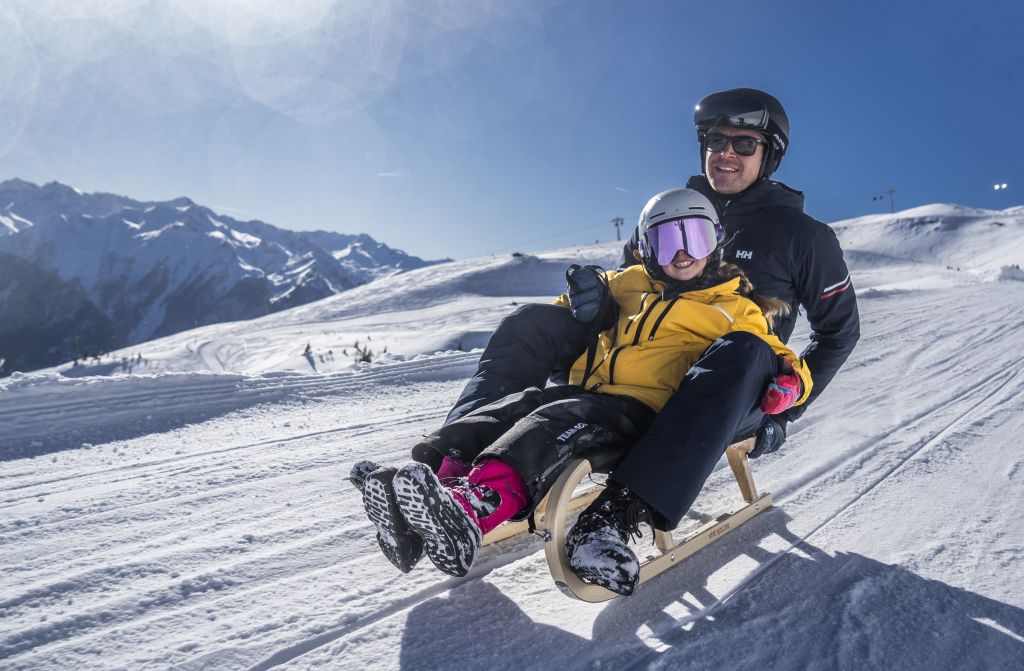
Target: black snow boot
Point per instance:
(597, 545)
(359, 472)
(400, 544)
(451, 535)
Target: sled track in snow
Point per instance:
(267, 387)
(139, 471)
(347, 430)
(187, 594)
(31, 420)
(306, 646)
(142, 558)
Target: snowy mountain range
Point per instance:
(190, 511)
(131, 271)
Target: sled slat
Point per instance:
(704, 536)
(737, 456)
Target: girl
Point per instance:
(652, 324)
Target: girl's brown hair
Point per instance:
(772, 308)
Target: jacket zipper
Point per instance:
(664, 314)
(636, 337)
(647, 313)
(611, 364)
(643, 297)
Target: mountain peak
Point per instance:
(182, 203)
(62, 190)
(16, 184)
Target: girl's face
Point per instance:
(684, 266)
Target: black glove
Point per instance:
(586, 292)
(770, 435)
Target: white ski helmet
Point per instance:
(674, 220)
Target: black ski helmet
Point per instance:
(750, 109)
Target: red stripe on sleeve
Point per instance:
(837, 291)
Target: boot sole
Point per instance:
(360, 471)
(400, 544)
(601, 580)
(450, 537)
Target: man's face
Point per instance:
(727, 171)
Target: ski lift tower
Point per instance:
(892, 198)
(618, 223)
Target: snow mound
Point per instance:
(957, 238)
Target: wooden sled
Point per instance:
(560, 502)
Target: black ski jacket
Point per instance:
(791, 256)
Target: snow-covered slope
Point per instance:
(979, 242)
(447, 306)
(201, 520)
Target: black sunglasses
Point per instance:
(744, 145)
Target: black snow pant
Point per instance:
(538, 431)
(668, 466)
(536, 342)
(716, 404)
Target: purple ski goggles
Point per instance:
(694, 235)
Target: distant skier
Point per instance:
(673, 320)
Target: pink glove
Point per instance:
(782, 393)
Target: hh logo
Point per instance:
(744, 254)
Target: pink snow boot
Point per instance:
(494, 493)
(452, 517)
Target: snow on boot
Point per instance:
(597, 545)
(450, 530)
(359, 472)
(495, 491)
(401, 545)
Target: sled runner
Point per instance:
(560, 502)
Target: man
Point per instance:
(743, 135)
(786, 254)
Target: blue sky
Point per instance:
(460, 128)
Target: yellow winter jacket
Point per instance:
(656, 340)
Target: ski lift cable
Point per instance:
(549, 237)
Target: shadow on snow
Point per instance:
(806, 610)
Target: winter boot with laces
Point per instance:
(453, 517)
(400, 544)
(597, 545)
